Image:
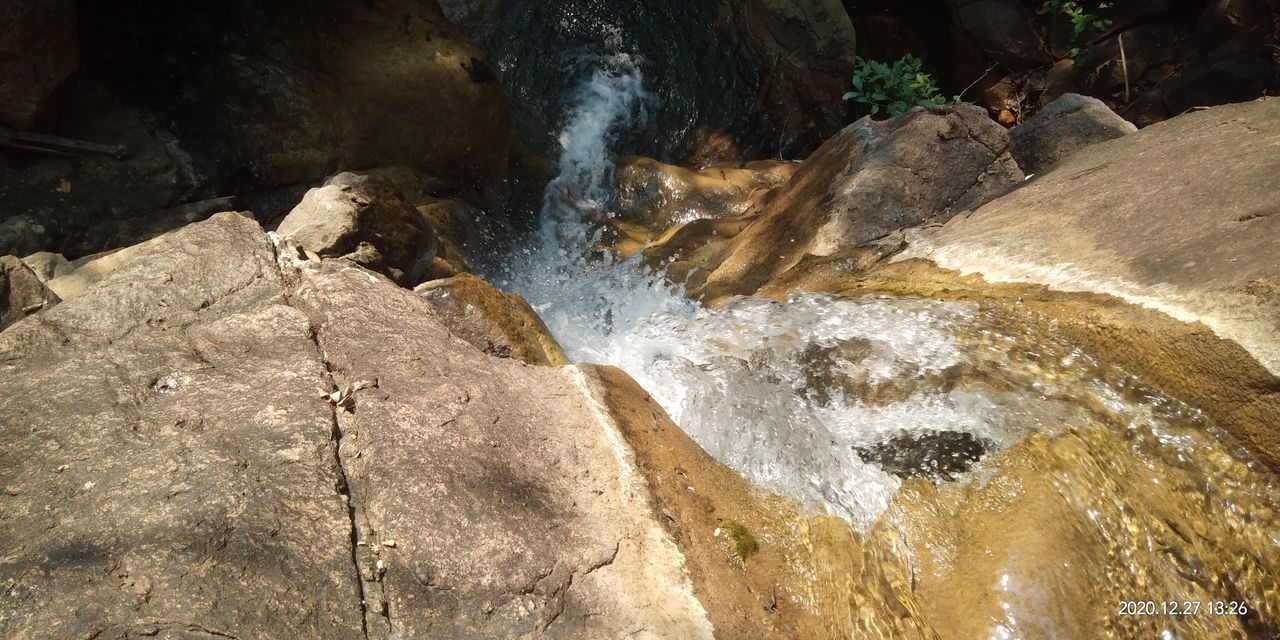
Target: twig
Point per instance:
(984, 74)
(1124, 67)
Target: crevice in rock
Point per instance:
(364, 585)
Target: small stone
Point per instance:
(389, 543)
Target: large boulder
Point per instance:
(1181, 217)
(37, 52)
(875, 178)
(21, 292)
(224, 436)
(367, 220)
(168, 468)
(1063, 127)
(1005, 29)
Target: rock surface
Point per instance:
(870, 180)
(151, 487)
(21, 292)
(1062, 128)
(499, 323)
(367, 220)
(661, 195)
(1180, 217)
(38, 51)
(241, 98)
(766, 73)
(310, 438)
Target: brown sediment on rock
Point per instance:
(808, 577)
(497, 322)
(1185, 360)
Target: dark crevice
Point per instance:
(343, 484)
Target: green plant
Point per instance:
(894, 87)
(741, 543)
(1085, 26)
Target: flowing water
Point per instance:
(1031, 489)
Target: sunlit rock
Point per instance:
(1062, 128)
(367, 220)
(499, 323)
(874, 178)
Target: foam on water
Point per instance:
(810, 397)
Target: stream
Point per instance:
(843, 404)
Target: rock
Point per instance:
(22, 235)
(465, 231)
(1062, 128)
(47, 266)
(805, 50)
(872, 179)
(87, 271)
(766, 74)
(661, 195)
(243, 99)
(367, 220)
(498, 323)
(219, 409)
(37, 52)
(937, 455)
(1005, 29)
(21, 292)
(166, 427)
(1180, 217)
(1052, 511)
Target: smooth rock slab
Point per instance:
(495, 498)
(167, 467)
(1182, 217)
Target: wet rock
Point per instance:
(499, 323)
(1062, 128)
(766, 73)
(367, 220)
(1180, 217)
(661, 195)
(166, 428)
(872, 179)
(936, 455)
(38, 51)
(1088, 516)
(21, 292)
(466, 232)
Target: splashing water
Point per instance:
(584, 299)
(836, 402)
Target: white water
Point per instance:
(787, 393)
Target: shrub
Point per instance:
(894, 87)
(1085, 26)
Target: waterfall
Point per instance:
(826, 400)
(584, 298)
